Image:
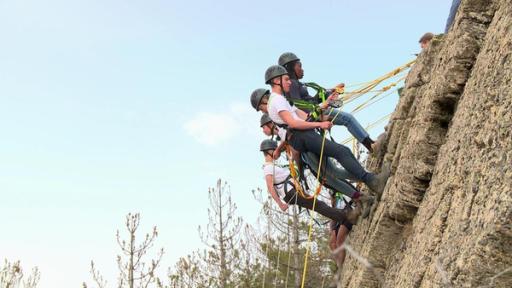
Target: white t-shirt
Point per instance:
(281, 132)
(278, 103)
(280, 174)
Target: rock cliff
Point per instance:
(445, 218)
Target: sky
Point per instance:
(111, 107)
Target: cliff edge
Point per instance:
(445, 218)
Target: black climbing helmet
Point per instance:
(265, 119)
(286, 58)
(273, 72)
(268, 144)
(256, 97)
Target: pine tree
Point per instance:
(133, 271)
(188, 272)
(11, 276)
(222, 236)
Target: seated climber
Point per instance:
(333, 175)
(301, 134)
(338, 231)
(284, 193)
(298, 90)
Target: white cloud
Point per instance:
(214, 128)
(211, 128)
(240, 108)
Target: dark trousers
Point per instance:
(310, 141)
(292, 197)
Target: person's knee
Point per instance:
(342, 235)
(342, 148)
(289, 196)
(332, 240)
(346, 118)
(349, 117)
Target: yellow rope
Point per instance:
(367, 89)
(372, 101)
(350, 96)
(367, 102)
(379, 121)
(294, 174)
(370, 126)
(354, 95)
(340, 90)
(311, 218)
(358, 84)
(313, 209)
(296, 180)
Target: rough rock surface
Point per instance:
(445, 218)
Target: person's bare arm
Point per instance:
(279, 149)
(273, 193)
(302, 125)
(303, 115)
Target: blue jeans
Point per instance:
(349, 121)
(334, 175)
(310, 141)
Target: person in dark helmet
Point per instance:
(333, 174)
(302, 137)
(270, 129)
(293, 66)
(259, 97)
(298, 90)
(282, 190)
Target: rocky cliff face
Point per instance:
(445, 218)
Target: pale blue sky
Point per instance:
(108, 107)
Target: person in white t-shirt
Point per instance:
(335, 176)
(282, 190)
(301, 134)
(270, 129)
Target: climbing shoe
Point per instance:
(377, 145)
(366, 201)
(378, 182)
(353, 215)
(368, 144)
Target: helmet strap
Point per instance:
(281, 84)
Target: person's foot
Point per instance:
(368, 144)
(353, 215)
(366, 201)
(377, 145)
(378, 182)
